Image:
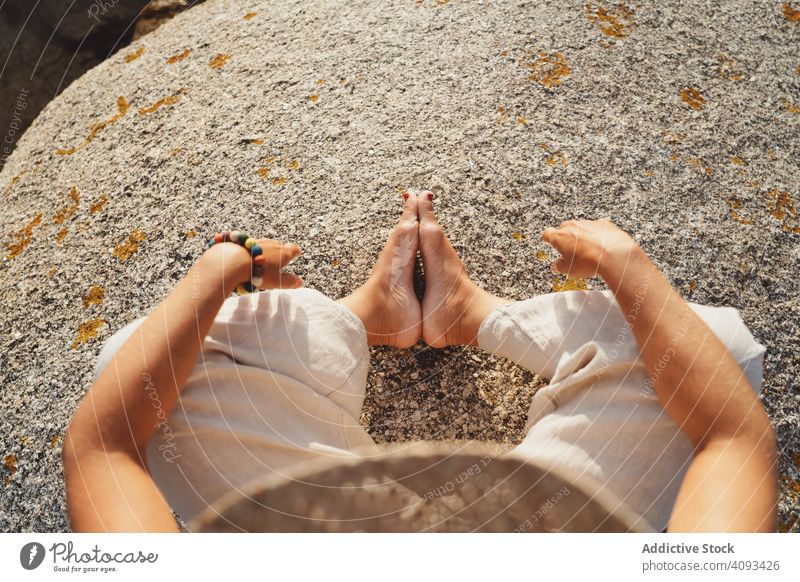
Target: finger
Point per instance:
(289, 281)
(560, 266)
(288, 253)
(548, 234)
(568, 223)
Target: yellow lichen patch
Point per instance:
(549, 69)
(178, 57)
(791, 107)
(94, 296)
(190, 233)
(697, 163)
(336, 262)
(518, 236)
(727, 68)
(61, 235)
(556, 159)
(320, 82)
(294, 165)
(693, 98)
(791, 14)
(165, 102)
(279, 181)
(737, 161)
(54, 440)
(249, 16)
(51, 272)
(502, 115)
(219, 61)
(132, 56)
(542, 256)
(263, 173)
(254, 140)
(569, 284)
(14, 181)
(772, 154)
(87, 331)
(649, 173)
(781, 206)
(122, 109)
(736, 214)
(69, 210)
(614, 21)
(98, 204)
(125, 250)
(10, 463)
(23, 238)
(313, 98)
(521, 120)
(692, 285)
(673, 137)
(174, 152)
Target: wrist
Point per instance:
(622, 264)
(230, 261)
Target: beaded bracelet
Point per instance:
(241, 239)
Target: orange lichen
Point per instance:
(693, 98)
(62, 234)
(781, 206)
(649, 173)
(313, 98)
(54, 440)
(772, 154)
(556, 158)
(263, 172)
(14, 181)
(336, 262)
(791, 107)
(125, 250)
(132, 56)
(569, 284)
(320, 82)
(166, 101)
(279, 181)
(697, 163)
(190, 233)
(69, 210)
(791, 14)
(521, 120)
(673, 137)
(294, 165)
(10, 463)
(51, 272)
(692, 285)
(797, 70)
(615, 21)
(174, 152)
(249, 15)
(24, 237)
(94, 296)
(122, 109)
(87, 331)
(255, 141)
(737, 161)
(219, 61)
(176, 58)
(518, 236)
(98, 204)
(549, 69)
(542, 256)
(735, 205)
(727, 68)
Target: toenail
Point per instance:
(405, 195)
(430, 196)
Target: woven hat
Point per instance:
(431, 487)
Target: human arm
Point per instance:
(107, 483)
(731, 483)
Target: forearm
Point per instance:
(696, 379)
(117, 413)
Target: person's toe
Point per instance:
(409, 207)
(425, 207)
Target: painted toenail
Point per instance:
(405, 195)
(430, 196)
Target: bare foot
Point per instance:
(386, 303)
(454, 307)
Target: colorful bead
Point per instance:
(255, 250)
(234, 236)
(218, 238)
(243, 238)
(249, 243)
(257, 281)
(211, 243)
(226, 236)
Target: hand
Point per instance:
(589, 247)
(275, 257)
(235, 261)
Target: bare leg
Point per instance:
(454, 307)
(386, 303)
